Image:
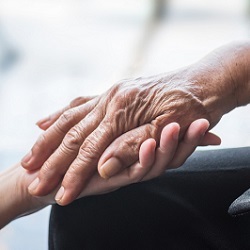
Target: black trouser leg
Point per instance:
(185, 208)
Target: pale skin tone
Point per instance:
(107, 131)
(152, 162)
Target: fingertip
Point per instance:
(147, 153)
(45, 125)
(27, 157)
(204, 121)
(30, 165)
(197, 130)
(59, 196)
(24, 165)
(148, 145)
(27, 162)
(103, 174)
(169, 134)
(205, 124)
(33, 186)
(176, 131)
(173, 128)
(201, 124)
(218, 141)
(64, 197)
(210, 139)
(62, 203)
(41, 121)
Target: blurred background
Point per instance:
(52, 51)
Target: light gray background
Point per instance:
(68, 48)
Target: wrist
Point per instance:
(214, 88)
(222, 79)
(14, 196)
(239, 68)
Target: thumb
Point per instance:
(124, 151)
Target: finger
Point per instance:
(138, 170)
(166, 150)
(51, 139)
(77, 155)
(84, 166)
(133, 174)
(46, 122)
(162, 159)
(124, 151)
(147, 153)
(210, 139)
(163, 155)
(191, 140)
(54, 169)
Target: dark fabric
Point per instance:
(185, 208)
(241, 205)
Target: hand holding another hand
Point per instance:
(152, 162)
(107, 131)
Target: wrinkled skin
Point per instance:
(108, 130)
(123, 117)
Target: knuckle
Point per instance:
(132, 141)
(116, 89)
(105, 131)
(77, 101)
(72, 140)
(73, 178)
(59, 128)
(79, 172)
(96, 142)
(117, 86)
(89, 152)
(46, 170)
(80, 100)
(132, 144)
(68, 117)
(72, 175)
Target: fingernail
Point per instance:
(33, 185)
(43, 120)
(27, 157)
(59, 194)
(44, 125)
(110, 168)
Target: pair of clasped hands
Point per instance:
(131, 133)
